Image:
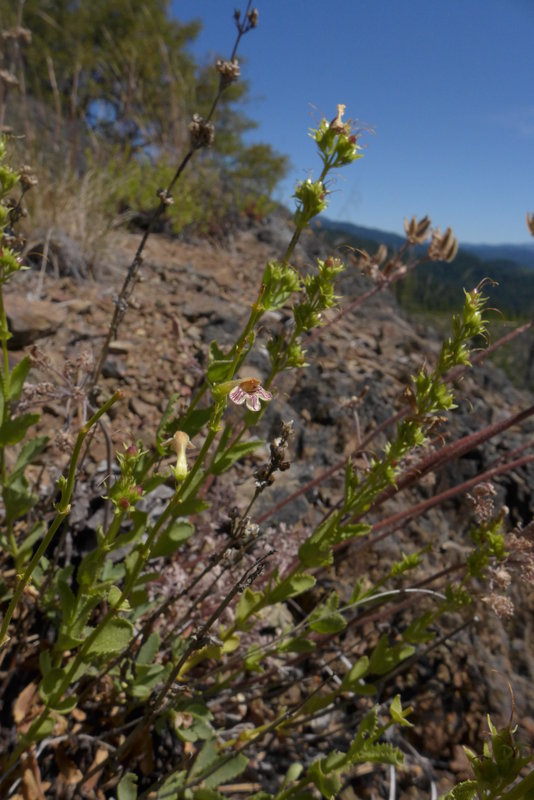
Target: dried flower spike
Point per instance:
(530, 222)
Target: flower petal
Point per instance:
(238, 396)
(253, 402)
(263, 393)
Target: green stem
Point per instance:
(520, 791)
(62, 508)
(4, 330)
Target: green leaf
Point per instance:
(113, 638)
(18, 377)
(326, 618)
(230, 456)
(467, 790)
(328, 783)
(358, 591)
(194, 421)
(293, 774)
(193, 505)
(149, 650)
(297, 645)
(14, 430)
(353, 679)
(317, 702)
(220, 365)
(192, 721)
(417, 631)
(114, 594)
(147, 677)
(249, 603)
(18, 499)
(50, 685)
(280, 281)
(89, 570)
(67, 602)
(45, 662)
(398, 713)
(37, 532)
(290, 587)
(317, 551)
(230, 768)
(27, 453)
(127, 788)
(139, 521)
(385, 658)
(379, 753)
(46, 730)
(171, 539)
(173, 783)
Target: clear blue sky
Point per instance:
(446, 85)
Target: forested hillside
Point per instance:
(102, 98)
(433, 286)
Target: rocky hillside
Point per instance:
(192, 292)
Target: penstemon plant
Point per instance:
(139, 665)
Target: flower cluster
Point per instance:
(126, 491)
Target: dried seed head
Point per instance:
(64, 441)
(501, 577)
(500, 605)
(165, 198)
(530, 222)
(86, 362)
(18, 33)
(228, 70)
(8, 79)
(370, 265)
(443, 247)
(202, 133)
(337, 123)
(482, 500)
(253, 17)
(417, 232)
(27, 178)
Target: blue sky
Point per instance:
(447, 87)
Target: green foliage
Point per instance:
(125, 67)
(496, 770)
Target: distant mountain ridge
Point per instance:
(438, 286)
(521, 254)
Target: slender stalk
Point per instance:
(62, 508)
